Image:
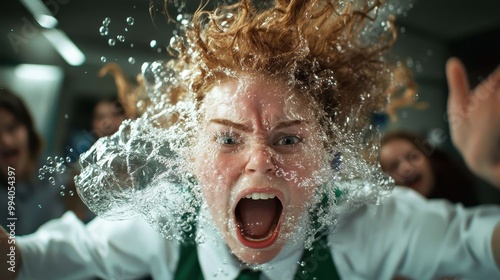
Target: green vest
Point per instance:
(315, 264)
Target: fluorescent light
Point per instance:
(40, 12)
(46, 21)
(64, 46)
(37, 72)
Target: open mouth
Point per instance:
(9, 155)
(413, 181)
(258, 219)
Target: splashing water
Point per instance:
(144, 168)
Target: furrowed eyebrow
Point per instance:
(229, 123)
(245, 128)
(288, 124)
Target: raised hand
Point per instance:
(475, 120)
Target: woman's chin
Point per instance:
(252, 255)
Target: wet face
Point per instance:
(14, 144)
(407, 165)
(107, 118)
(256, 161)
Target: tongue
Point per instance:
(256, 216)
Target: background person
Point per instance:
(411, 162)
(36, 201)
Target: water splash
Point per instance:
(144, 169)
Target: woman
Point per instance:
(36, 201)
(429, 171)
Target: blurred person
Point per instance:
(412, 162)
(35, 201)
(107, 117)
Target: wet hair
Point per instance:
(16, 106)
(453, 181)
(325, 49)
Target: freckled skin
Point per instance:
(256, 135)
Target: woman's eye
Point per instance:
(288, 140)
(227, 140)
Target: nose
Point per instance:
(260, 161)
(405, 168)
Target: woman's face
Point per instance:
(14, 144)
(259, 152)
(107, 118)
(407, 165)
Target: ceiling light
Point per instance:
(64, 46)
(41, 13)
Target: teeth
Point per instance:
(256, 196)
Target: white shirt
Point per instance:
(406, 235)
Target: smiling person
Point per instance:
(20, 145)
(411, 162)
(232, 164)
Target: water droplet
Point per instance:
(60, 168)
(71, 150)
(126, 29)
(130, 21)
(132, 45)
(131, 60)
(158, 50)
(402, 29)
(104, 31)
(106, 21)
(153, 43)
(71, 193)
(103, 59)
(66, 116)
(68, 159)
(120, 38)
(39, 205)
(40, 177)
(111, 42)
(49, 160)
(52, 181)
(308, 15)
(62, 193)
(63, 187)
(409, 62)
(179, 17)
